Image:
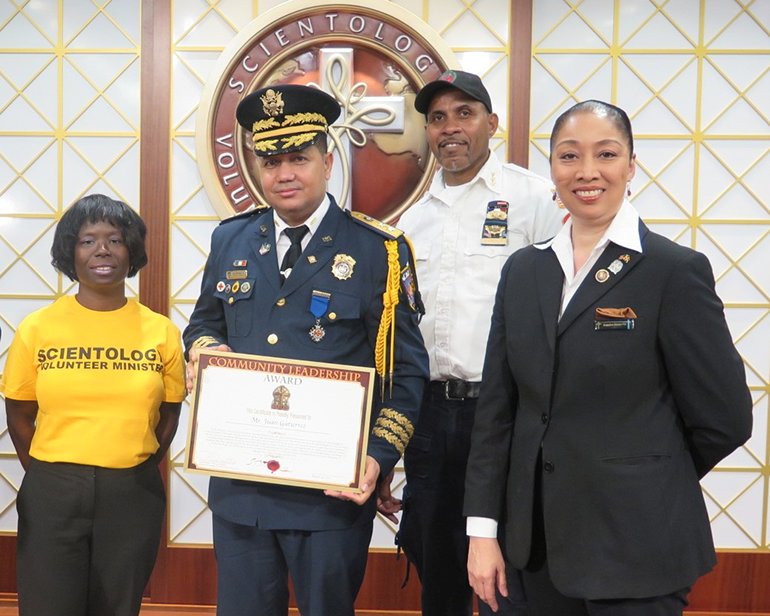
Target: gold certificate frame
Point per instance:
(280, 421)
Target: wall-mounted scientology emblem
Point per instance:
(372, 62)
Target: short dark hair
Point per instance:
(321, 141)
(98, 208)
(615, 114)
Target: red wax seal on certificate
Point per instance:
(273, 465)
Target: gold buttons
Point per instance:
(272, 339)
(281, 302)
(230, 300)
(332, 316)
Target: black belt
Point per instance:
(455, 389)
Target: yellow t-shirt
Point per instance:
(99, 379)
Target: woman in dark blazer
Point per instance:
(611, 386)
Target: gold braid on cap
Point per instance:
(304, 118)
(383, 361)
(261, 125)
(296, 129)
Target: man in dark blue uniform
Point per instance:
(306, 280)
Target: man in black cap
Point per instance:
(476, 212)
(306, 280)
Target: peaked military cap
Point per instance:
(286, 118)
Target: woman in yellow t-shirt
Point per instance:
(93, 386)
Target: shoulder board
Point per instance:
(254, 209)
(376, 225)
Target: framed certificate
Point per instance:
(280, 421)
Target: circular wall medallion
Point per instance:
(372, 62)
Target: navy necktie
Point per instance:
(295, 235)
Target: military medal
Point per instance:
(495, 231)
(615, 266)
(264, 249)
(240, 263)
(236, 274)
(317, 332)
(221, 286)
(319, 304)
(602, 275)
(245, 287)
(342, 268)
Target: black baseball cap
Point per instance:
(465, 82)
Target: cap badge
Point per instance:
(272, 102)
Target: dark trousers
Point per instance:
(254, 566)
(432, 530)
(87, 538)
(546, 600)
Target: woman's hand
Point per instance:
(486, 570)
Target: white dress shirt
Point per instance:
(456, 273)
(282, 241)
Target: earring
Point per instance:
(556, 198)
(628, 189)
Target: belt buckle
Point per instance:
(447, 393)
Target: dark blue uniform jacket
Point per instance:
(259, 316)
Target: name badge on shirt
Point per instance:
(495, 232)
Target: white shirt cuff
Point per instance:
(481, 527)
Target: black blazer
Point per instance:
(628, 420)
